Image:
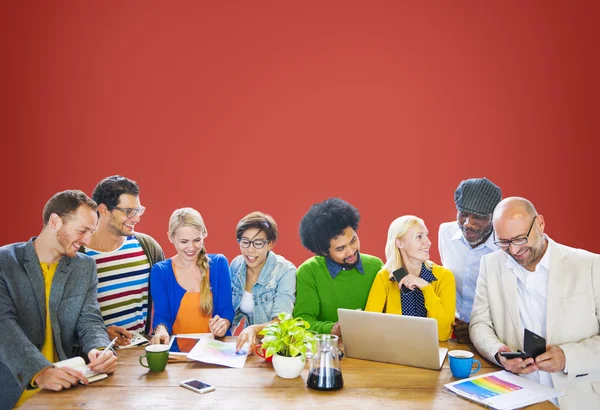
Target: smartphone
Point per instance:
(513, 355)
(197, 386)
(533, 344)
(397, 276)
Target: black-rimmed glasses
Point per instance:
(132, 212)
(257, 243)
(517, 241)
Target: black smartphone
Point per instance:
(534, 345)
(513, 355)
(397, 276)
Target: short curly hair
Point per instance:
(324, 221)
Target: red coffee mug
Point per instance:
(262, 352)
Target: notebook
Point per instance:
(78, 363)
(502, 390)
(136, 340)
(384, 337)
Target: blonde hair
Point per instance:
(398, 230)
(191, 217)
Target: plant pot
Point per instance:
(288, 367)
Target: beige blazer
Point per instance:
(572, 318)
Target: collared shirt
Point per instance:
(463, 261)
(532, 288)
(413, 303)
(335, 268)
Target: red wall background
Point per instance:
(236, 106)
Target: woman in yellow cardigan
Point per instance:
(431, 289)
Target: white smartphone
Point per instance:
(197, 386)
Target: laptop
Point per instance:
(390, 338)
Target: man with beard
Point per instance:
(338, 276)
(462, 243)
(550, 289)
(123, 257)
(48, 303)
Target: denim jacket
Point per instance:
(274, 291)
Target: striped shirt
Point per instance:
(123, 284)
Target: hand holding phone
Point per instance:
(197, 386)
(513, 355)
(397, 276)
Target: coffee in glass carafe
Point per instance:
(325, 372)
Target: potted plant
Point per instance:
(287, 341)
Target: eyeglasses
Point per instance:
(257, 243)
(517, 241)
(132, 212)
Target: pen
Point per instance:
(107, 348)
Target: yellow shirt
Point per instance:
(48, 348)
(440, 298)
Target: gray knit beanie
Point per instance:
(478, 196)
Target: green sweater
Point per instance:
(318, 295)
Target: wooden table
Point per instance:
(367, 385)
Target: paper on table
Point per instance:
(136, 340)
(78, 363)
(502, 390)
(213, 351)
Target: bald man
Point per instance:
(554, 291)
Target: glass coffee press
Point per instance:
(325, 372)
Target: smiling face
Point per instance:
(476, 229)
(75, 230)
(415, 244)
(255, 258)
(344, 248)
(119, 223)
(516, 227)
(188, 242)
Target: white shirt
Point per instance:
(463, 261)
(533, 295)
(247, 303)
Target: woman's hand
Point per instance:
(412, 282)
(218, 326)
(161, 336)
(248, 335)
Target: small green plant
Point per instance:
(290, 337)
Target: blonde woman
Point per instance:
(429, 289)
(191, 290)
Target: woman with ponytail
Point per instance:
(191, 290)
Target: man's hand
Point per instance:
(518, 365)
(161, 336)
(105, 364)
(461, 331)
(552, 361)
(337, 330)
(122, 335)
(218, 326)
(248, 335)
(57, 379)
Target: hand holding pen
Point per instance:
(122, 335)
(103, 361)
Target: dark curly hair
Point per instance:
(324, 221)
(109, 190)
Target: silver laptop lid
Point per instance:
(390, 338)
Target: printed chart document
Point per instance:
(208, 350)
(502, 390)
(78, 363)
(136, 340)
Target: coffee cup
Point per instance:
(262, 353)
(461, 363)
(156, 357)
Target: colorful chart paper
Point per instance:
(215, 352)
(486, 387)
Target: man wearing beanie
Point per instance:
(462, 243)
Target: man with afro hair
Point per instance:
(338, 276)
